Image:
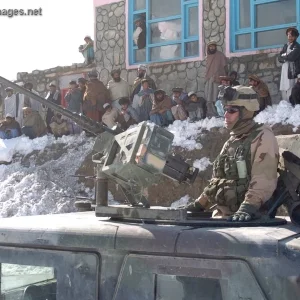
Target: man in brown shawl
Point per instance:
(216, 65)
(262, 90)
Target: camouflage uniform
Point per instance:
(261, 155)
(252, 143)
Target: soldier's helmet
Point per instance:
(241, 96)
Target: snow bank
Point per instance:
(202, 163)
(23, 145)
(186, 133)
(46, 188)
(283, 113)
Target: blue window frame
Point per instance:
(172, 30)
(261, 24)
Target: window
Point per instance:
(170, 30)
(159, 278)
(38, 274)
(261, 24)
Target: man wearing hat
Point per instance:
(9, 128)
(179, 100)
(118, 88)
(216, 65)
(95, 96)
(111, 116)
(161, 113)
(290, 58)
(264, 97)
(137, 84)
(196, 107)
(33, 124)
(53, 96)
(295, 96)
(179, 95)
(245, 172)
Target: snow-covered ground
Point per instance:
(47, 187)
(283, 113)
(41, 188)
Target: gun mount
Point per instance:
(134, 159)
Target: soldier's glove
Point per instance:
(194, 207)
(246, 213)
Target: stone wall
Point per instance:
(111, 52)
(42, 78)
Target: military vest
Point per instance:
(226, 188)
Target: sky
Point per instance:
(44, 41)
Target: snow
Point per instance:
(32, 188)
(186, 133)
(202, 163)
(283, 113)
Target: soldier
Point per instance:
(245, 172)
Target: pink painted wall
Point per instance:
(103, 2)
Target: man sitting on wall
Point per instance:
(87, 50)
(161, 113)
(9, 128)
(264, 97)
(33, 124)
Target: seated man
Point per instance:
(9, 128)
(87, 50)
(129, 113)
(143, 101)
(264, 97)
(161, 113)
(196, 107)
(33, 124)
(233, 75)
(179, 100)
(59, 126)
(111, 116)
(245, 172)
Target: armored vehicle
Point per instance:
(138, 252)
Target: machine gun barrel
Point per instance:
(81, 120)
